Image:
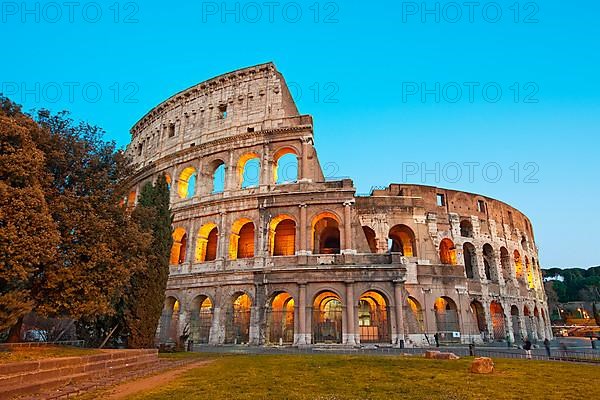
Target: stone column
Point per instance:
(489, 323)
(349, 336)
(303, 231)
(399, 311)
(231, 174)
(347, 245)
(266, 164)
(509, 325)
(215, 336)
(222, 238)
(304, 163)
(191, 248)
(300, 337)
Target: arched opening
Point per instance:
(186, 185)
(505, 261)
(282, 234)
(373, 318)
(414, 319)
(403, 240)
(489, 262)
(470, 260)
(524, 242)
(447, 252)
(371, 238)
(169, 181)
(249, 170)
(326, 234)
(206, 244)
(285, 168)
(201, 319)
(169, 320)
(478, 313)
(516, 321)
(518, 265)
(281, 319)
(446, 319)
(466, 228)
(131, 198)
(529, 273)
(179, 247)
(497, 316)
(528, 323)
(237, 321)
(217, 168)
(327, 318)
(242, 239)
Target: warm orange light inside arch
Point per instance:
(518, 265)
(178, 250)
(206, 244)
(403, 240)
(282, 236)
(529, 273)
(280, 153)
(184, 182)
(242, 303)
(241, 243)
(326, 233)
(448, 252)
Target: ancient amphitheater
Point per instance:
(268, 251)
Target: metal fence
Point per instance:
(71, 343)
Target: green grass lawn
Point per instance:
(333, 377)
(39, 353)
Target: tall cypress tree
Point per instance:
(147, 292)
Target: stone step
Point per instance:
(32, 382)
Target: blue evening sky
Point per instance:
(360, 69)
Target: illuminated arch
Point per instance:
(446, 316)
(179, 247)
(529, 273)
(186, 184)
(169, 320)
(403, 240)
(326, 233)
(131, 198)
(373, 318)
(415, 319)
(282, 236)
(518, 265)
(447, 252)
(241, 244)
(248, 169)
(327, 318)
(498, 323)
(206, 243)
(285, 165)
(201, 319)
(169, 181)
(281, 319)
(237, 327)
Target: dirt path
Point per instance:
(127, 389)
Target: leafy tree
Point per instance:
(28, 235)
(147, 294)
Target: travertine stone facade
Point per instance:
(307, 261)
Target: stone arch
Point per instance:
(374, 318)
(285, 166)
(179, 247)
(241, 244)
(479, 322)
(201, 316)
(466, 228)
(207, 242)
(447, 252)
(498, 323)
(529, 273)
(248, 169)
(282, 236)
(237, 319)
(280, 318)
(516, 321)
(518, 265)
(415, 318)
(489, 263)
(216, 175)
(403, 240)
(505, 262)
(327, 319)
(446, 317)
(131, 198)
(169, 320)
(470, 259)
(187, 182)
(326, 233)
(529, 327)
(371, 237)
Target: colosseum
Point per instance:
(269, 251)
